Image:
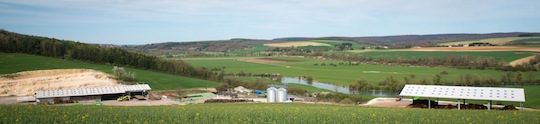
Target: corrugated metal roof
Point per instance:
(465, 92)
(92, 91)
(133, 88)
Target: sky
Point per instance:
(154, 21)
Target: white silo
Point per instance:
(271, 94)
(281, 95)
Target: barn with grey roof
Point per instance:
(91, 94)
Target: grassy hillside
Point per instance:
(532, 97)
(337, 42)
(505, 56)
(14, 62)
(535, 41)
(341, 74)
(255, 113)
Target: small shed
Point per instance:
(241, 89)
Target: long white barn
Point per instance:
(98, 93)
(465, 92)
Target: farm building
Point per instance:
(91, 94)
(241, 89)
(276, 94)
(464, 93)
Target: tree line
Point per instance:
(462, 62)
(17, 43)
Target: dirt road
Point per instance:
(522, 60)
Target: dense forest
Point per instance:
(18, 43)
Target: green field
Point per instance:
(336, 42)
(14, 62)
(255, 113)
(530, 41)
(340, 75)
(505, 56)
(532, 97)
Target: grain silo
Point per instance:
(281, 95)
(271, 94)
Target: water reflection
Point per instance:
(340, 89)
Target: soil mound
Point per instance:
(28, 82)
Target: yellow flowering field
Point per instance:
(253, 113)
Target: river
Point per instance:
(336, 88)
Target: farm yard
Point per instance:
(344, 74)
(254, 113)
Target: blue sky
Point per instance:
(152, 21)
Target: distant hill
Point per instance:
(218, 45)
(197, 46)
(398, 41)
(407, 41)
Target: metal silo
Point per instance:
(281, 95)
(271, 94)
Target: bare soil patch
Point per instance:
(295, 44)
(28, 82)
(486, 48)
(388, 102)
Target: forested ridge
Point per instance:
(11, 42)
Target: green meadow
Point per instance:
(341, 74)
(504, 56)
(15, 62)
(255, 113)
